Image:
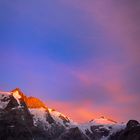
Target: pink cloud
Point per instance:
(82, 112)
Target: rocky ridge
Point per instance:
(28, 118)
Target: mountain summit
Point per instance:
(28, 118)
(31, 102)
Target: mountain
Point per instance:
(28, 118)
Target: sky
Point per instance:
(80, 57)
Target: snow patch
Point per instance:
(5, 93)
(39, 115)
(102, 121)
(84, 127)
(118, 127)
(4, 99)
(115, 128)
(57, 117)
(17, 96)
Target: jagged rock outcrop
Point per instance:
(33, 102)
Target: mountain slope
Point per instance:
(28, 118)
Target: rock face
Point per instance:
(131, 132)
(15, 119)
(73, 134)
(28, 118)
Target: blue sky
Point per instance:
(73, 53)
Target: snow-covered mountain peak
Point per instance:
(16, 94)
(36, 106)
(19, 112)
(103, 120)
